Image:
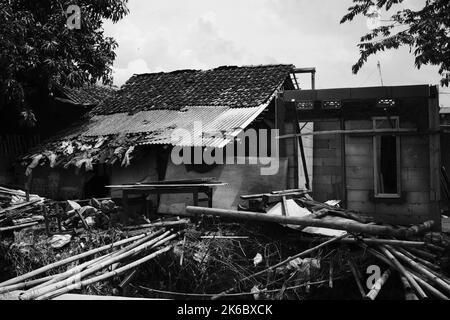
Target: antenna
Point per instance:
(381, 75)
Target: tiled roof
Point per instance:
(235, 87)
(87, 95)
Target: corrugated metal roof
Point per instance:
(215, 124)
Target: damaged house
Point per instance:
(61, 108)
(376, 149)
(129, 137)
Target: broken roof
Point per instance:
(150, 107)
(230, 86)
(87, 94)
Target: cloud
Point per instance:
(206, 44)
(170, 35)
(121, 75)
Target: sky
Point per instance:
(202, 34)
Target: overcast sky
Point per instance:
(202, 34)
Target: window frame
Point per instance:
(377, 194)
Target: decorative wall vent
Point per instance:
(331, 104)
(305, 105)
(386, 103)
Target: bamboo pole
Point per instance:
(24, 285)
(350, 226)
(409, 292)
(428, 287)
(423, 254)
(425, 285)
(20, 226)
(403, 272)
(155, 245)
(357, 278)
(422, 270)
(69, 260)
(103, 276)
(376, 288)
(400, 243)
(88, 265)
(426, 263)
(20, 205)
(159, 224)
(31, 294)
(299, 255)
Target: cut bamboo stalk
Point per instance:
(31, 294)
(422, 271)
(104, 276)
(428, 287)
(20, 205)
(375, 290)
(357, 278)
(271, 268)
(158, 242)
(423, 254)
(409, 292)
(403, 272)
(420, 281)
(20, 226)
(24, 285)
(426, 263)
(349, 226)
(401, 243)
(91, 264)
(71, 271)
(159, 224)
(70, 259)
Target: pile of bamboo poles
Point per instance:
(17, 211)
(419, 273)
(93, 266)
(421, 278)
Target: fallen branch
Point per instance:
(349, 226)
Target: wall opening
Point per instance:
(387, 159)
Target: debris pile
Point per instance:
(279, 245)
(16, 212)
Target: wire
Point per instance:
(207, 295)
(370, 75)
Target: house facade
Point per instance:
(376, 149)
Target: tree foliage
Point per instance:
(38, 51)
(426, 32)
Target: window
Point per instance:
(386, 150)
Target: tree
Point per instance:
(426, 32)
(38, 50)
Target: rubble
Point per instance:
(280, 245)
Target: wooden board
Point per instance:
(242, 179)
